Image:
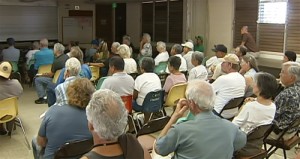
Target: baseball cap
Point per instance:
(188, 44)
(5, 69)
(95, 42)
(231, 58)
(199, 37)
(220, 47)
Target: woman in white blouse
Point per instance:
(130, 64)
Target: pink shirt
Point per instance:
(172, 80)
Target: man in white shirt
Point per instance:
(163, 55)
(188, 48)
(221, 51)
(229, 86)
(176, 50)
(145, 83)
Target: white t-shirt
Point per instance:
(227, 87)
(254, 114)
(144, 84)
(119, 82)
(29, 55)
(163, 56)
(218, 69)
(198, 72)
(183, 66)
(130, 65)
(188, 58)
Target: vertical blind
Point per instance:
(293, 26)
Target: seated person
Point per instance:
(188, 48)
(9, 88)
(220, 51)
(207, 136)
(176, 76)
(289, 56)
(145, 46)
(229, 86)
(145, 83)
(287, 102)
(199, 44)
(258, 112)
(11, 54)
(89, 53)
(107, 120)
(130, 63)
(199, 71)
(163, 55)
(65, 123)
(248, 69)
(42, 81)
(240, 51)
(120, 82)
(176, 50)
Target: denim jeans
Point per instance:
(51, 97)
(41, 84)
(38, 151)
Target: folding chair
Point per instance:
(42, 69)
(100, 82)
(252, 149)
(56, 75)
(95, 73)
(280, 142)
(161, 67)
(9, 112)
(15, 70)
(152, 103)
(74, 149)
(152, 126)
(128, 104)
(233, 103)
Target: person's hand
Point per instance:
(249, 99)
(181, 108)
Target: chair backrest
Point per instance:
(127, 102)
(44, 69)
(161, 67)
(233, 103)
(14, 65)
(153, 125)
(74, 149)
(8, 109)
(153, 101)
(175, 93)
(100, 82)
(56, 75)
(294, 124)
(259, 133)
(134, 75)
(95, 72)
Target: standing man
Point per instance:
(11, 54)
(249, 42)
(205, 137)
(9, 88)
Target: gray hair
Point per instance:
(35, 45)
(252, 61)
(161, 46)
(201, 93)
(147, 36)
(115, 44)
(124, 51)
(73, 66)
(198, 56)
(59, 47)
(177, 48)
(293, 69)
(107, 113)
(44, 42)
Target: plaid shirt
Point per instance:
(288, 107)
(61, 91)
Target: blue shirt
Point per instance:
(206, 137)
(62, 124)
(84, 73)
(43, 57)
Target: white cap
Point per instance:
(188, 44)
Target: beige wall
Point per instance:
(220, 29)
(63, 11)
(133, 22)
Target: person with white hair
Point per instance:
(145, 46)
(130, 63)
(42, 81)
(287, 101)
(107, 120)
(203, 136)
(163, 54)
(65, 123)
(199, 71)
(72, 70)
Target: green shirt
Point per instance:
(199, 48)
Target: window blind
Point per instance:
(293, 26)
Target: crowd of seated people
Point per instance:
(233, 75)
